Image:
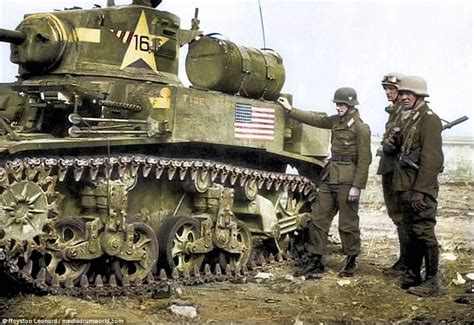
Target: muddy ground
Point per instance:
(370, 296)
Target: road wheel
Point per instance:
(237, 260)
(174, 235)
(145, 241)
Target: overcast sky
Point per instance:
(331, 44)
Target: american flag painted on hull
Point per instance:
(254, 123)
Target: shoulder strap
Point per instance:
(411, 127)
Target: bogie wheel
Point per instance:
(174, 235)
(145, 241)
(69, 233)
(238, 260)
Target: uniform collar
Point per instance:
(393, 107)
(420, 105)
(347, 117)
(350, 118)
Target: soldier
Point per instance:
(343, 178)
(390, 84)
(420, 159)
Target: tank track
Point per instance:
(14, 255)
(156, 286)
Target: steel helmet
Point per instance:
(392, 79)
(416, 85)
(346, 95)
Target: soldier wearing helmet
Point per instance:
(391, 84)
(415, 179)
(343, 178)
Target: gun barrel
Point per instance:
(12, 36)
(455, 122)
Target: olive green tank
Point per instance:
(110, 165)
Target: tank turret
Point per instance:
(136, 41)
(111, 168)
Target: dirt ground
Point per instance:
(370, 296)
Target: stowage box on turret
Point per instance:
(111, 169)
(221, 65)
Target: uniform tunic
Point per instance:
(387, 166)
(420, 141)
(348, 166)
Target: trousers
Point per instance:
(391, 199)
(420, 225)
(331, 200)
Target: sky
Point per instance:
(330, 44)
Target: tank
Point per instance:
(112, 170)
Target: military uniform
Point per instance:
(387, 162)
(348, 167)
(420, 161)
(385, 169)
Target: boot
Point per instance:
(401, 265)
(314, 266)
(430, 287)
(349, 266)
(403, 239)
(412, 277)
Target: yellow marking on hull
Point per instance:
(90, 35)
(162, 102)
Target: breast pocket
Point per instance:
(344, 138)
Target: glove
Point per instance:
(417, 201)
(388, 145)
(354, 194)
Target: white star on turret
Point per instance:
(140, 46)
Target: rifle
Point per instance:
(457, 121)
(411, 160)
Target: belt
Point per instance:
(352, 158)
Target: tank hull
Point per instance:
(111, 169)
(195, 173)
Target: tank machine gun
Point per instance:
(106, 156)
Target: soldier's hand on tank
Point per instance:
(284, 103)
(354, 194)
(388, 145)
(417, 201)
